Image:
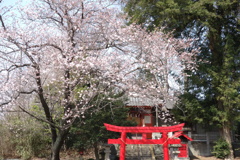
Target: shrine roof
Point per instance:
(147, 102)
(139, 102)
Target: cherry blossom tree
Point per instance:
(63, 54)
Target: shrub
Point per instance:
(221, 149)
(23, 137)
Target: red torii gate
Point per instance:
(164, 140)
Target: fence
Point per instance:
(202, 143)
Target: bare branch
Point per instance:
(38, 118)
(5, 103)
(16, 97)
(3, 25)
(28, 92)
(15, 66)
(55, 10)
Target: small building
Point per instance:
(148, 113)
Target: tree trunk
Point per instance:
(55, 154)
(226, 135)
(57, 145)
(96, 151)
(217, 50)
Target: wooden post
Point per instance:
(208, 143)
(165, 146)
(123, 146)
(190, 142)
(144, 136)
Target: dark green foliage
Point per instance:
(182, 16)
(93, 131)
(221, 149)
(212, 92)
(90, 131)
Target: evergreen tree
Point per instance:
(212, 92)
(92, 132)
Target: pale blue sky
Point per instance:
(8, 2)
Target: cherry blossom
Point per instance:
(62, 54)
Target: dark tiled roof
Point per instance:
(142, 102)
(133, 101)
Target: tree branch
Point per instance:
(40, 119)
(15, 66)
(3, 25)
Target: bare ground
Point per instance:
(71, 157)
(196, 158)
(208, 158)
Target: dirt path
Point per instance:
(192, 158)
(208, 158)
